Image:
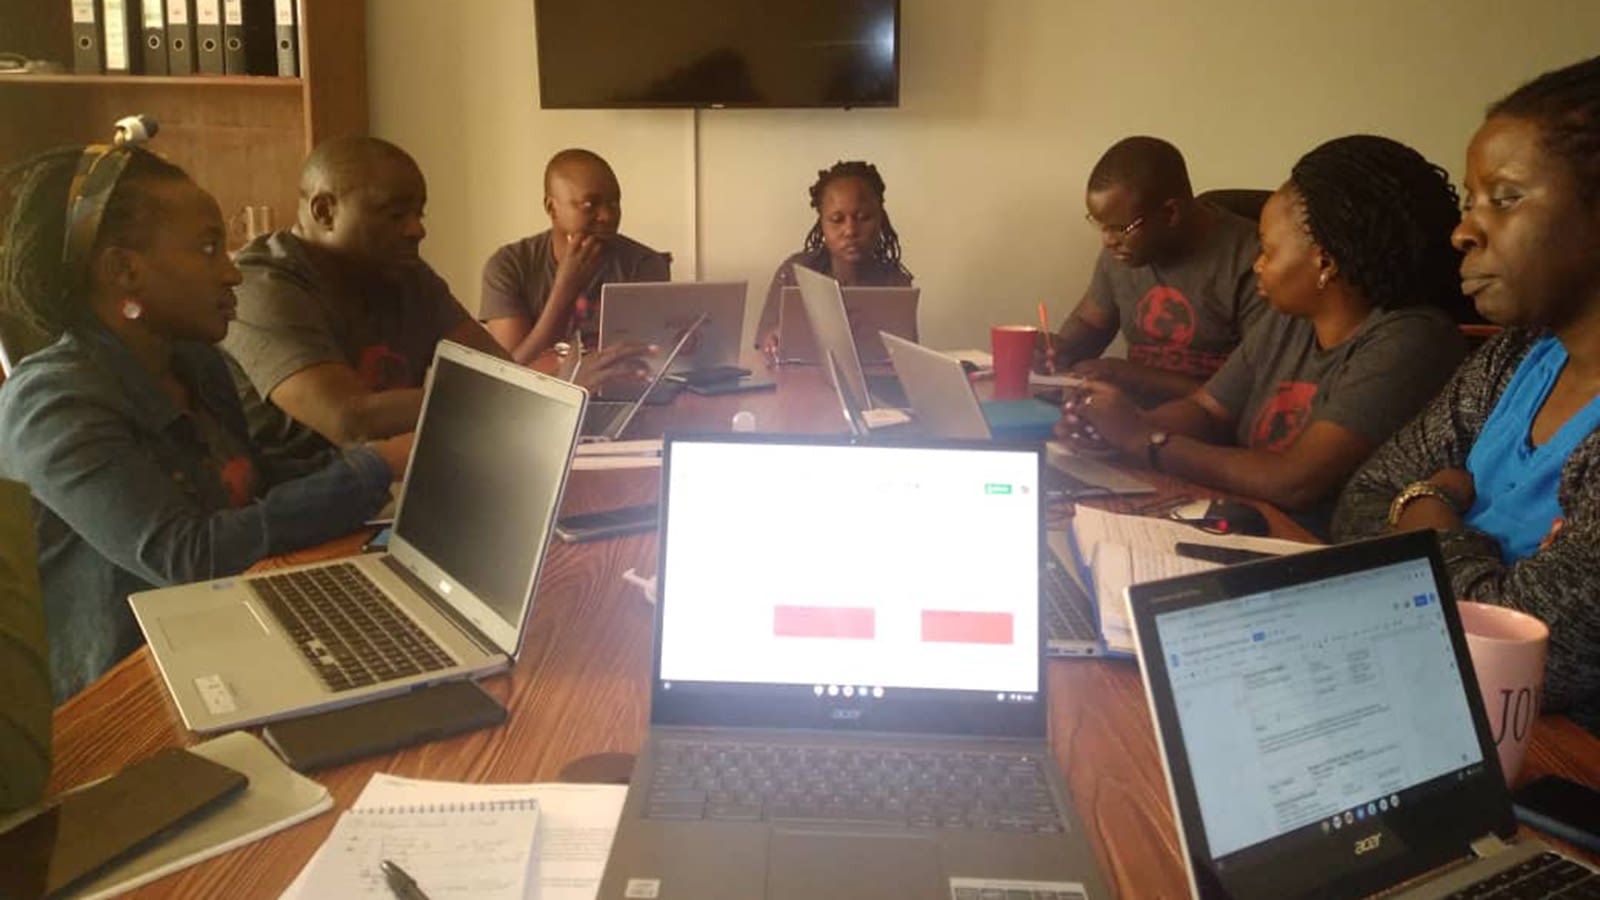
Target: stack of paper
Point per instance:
(1114, 551)
(643, 454)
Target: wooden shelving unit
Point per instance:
(242, 138)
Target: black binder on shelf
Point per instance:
(208, 37)
(154, 39)
(180, 37)
(87, 56)
(233, 51)
(286, 34)
(120, 28)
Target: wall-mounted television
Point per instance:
(713, 53)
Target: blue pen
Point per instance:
(404, 887)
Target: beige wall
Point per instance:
(1005, 104)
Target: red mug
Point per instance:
(1013, 347)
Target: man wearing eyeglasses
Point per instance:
(1174, 275)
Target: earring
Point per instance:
(1322, 281)
(131, 309)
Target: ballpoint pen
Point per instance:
(403, 885)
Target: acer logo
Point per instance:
(847, 715)
(1368, 844)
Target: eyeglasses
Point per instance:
(1117, 232)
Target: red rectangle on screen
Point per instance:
(945, 626)
(849, 622)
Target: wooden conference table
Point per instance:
(581, 686)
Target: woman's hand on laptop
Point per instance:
(617, 365)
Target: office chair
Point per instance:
(1239, 201)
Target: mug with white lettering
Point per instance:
(1508, 651)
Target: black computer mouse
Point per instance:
(1234, 517)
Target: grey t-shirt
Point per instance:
(293, 316)
(1279, 381)
(518, 277)
(1188, 316)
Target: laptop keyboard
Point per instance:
(1067, 612)
(347, 628)
(851, 785)
(1547, 875)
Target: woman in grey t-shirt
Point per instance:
(1357, 267)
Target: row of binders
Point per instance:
(186, 37)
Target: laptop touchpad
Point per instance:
(852, 866)
(234, 622)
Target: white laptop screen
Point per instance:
(846, 570)
(485, 477)
(1317, 706)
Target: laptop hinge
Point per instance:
(1489, 846)
(434, 600)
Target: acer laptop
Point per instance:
(450, 598)
(848, 702)
(606, 420)
(1323, 734)
(869, 311)
(660, 313)
(824, 307)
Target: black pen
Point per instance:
(403, 885)
(1225, 555)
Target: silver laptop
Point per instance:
(1323, 733)
(848, 702)
(944, 405)
(869, 310)
(824, 306)
(659, 312)
(448, 601)
(606, 420)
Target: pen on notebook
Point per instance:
(403, 886)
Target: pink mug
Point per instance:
(1508, 651)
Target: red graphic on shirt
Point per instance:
(380, 368)
(1282, 418)
(1166, 316)
(239, 477)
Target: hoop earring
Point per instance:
(131, 309)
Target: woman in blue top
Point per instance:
(127, 429)
(1506, 462)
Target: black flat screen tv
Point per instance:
(714, 53)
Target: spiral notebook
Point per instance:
(470, 848)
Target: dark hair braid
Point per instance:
(1566, 105)
(1384, 213)
(36, 285)
(887, 250)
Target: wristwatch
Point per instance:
(1153, 445)
(1416, 491)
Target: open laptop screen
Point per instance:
(485, 478)
(1306, 720)
(861, 579)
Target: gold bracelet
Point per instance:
(1416, 491)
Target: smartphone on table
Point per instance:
(1560, 807)
(592, 526)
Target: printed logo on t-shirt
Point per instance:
(1164, 327)
(380, 368)
(1282, 418)
(238, 477)
(1166, 316)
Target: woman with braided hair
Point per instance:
(851, 240)
(127, 428)
(1360, 277)
(1505, 463)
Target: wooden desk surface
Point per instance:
(581, 686)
